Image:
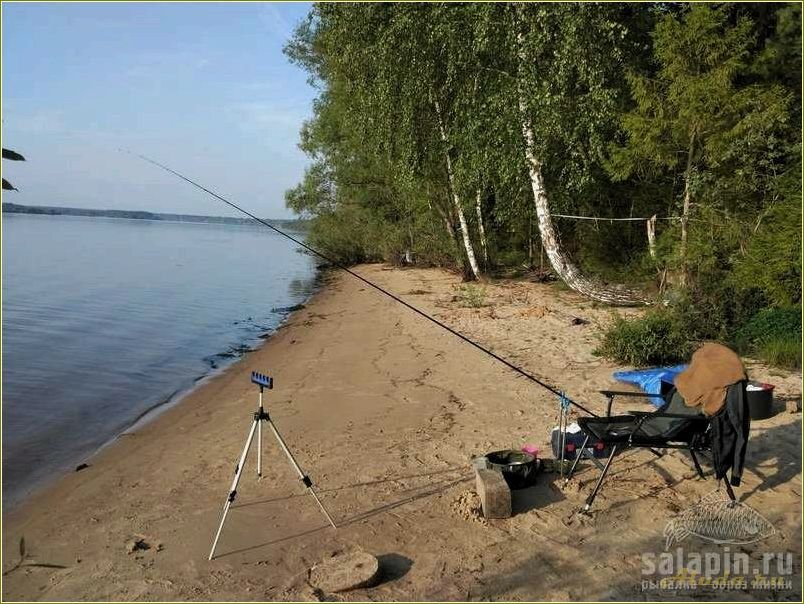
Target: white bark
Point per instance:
(467, 242)
(482, 230)
(651, 225)
(562, 264)
(686, 209)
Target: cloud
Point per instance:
(149, 64)
(266, 116)
(38, 121)
(274, 21)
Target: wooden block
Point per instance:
(495, 496)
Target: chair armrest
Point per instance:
(626, 393)
(610, 394)
(649, 414)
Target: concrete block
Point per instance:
(351, 570)
(495, 496)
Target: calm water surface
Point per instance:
(105, 318)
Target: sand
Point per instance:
(384, 411)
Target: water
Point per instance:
(103, 319)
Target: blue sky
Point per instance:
(203, 88)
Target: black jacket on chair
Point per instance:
(730, 428)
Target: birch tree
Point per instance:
(562, 56)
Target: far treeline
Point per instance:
(499, 139)
(17, 208)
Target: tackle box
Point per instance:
(573, 442)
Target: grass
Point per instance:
(474, 296)
(781, 352)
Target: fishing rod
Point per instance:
(337, 264)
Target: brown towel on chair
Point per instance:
(712, 370)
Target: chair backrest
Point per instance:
(671, 428)
(675, 404)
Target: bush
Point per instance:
(781, 352)
(769, 324)
(650, 340)
(714, 308)
(473, 296)
(346, 237)
(773, 335)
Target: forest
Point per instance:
(641, 154)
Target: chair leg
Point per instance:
(591, 498)
(577, 459)
(729, 490)
(696, 463)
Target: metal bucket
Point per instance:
(760, 400)
(519, 469)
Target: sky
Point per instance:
(203, 88)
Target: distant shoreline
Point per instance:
(15, 208)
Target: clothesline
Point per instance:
(596, 218)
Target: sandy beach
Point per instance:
(384, 411)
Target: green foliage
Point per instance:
(717, 135)
(769, 324)
(347, 236)
(784, 351)
(772, 335)
(474, 296)
(650, 340)
(669, 335)
(14, 156)
(637, 110)
(772, 258)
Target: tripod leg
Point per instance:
(259, 440)
(233, 490)
(304, 478)
(563, 427)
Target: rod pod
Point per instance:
(261, 415)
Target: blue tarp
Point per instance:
(650, 380)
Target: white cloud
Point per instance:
(37, 121)
(150, 64)
(274, 21)
(267, 116)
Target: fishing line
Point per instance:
(457, 334)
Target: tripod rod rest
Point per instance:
(261, 415)
(262, 380)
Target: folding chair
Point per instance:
(673, 426)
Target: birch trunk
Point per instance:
(467, 243)
(449, 223)
(685, 213)
(482, 231)
(562, 264)
(651, 226)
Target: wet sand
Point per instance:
(383, 410)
